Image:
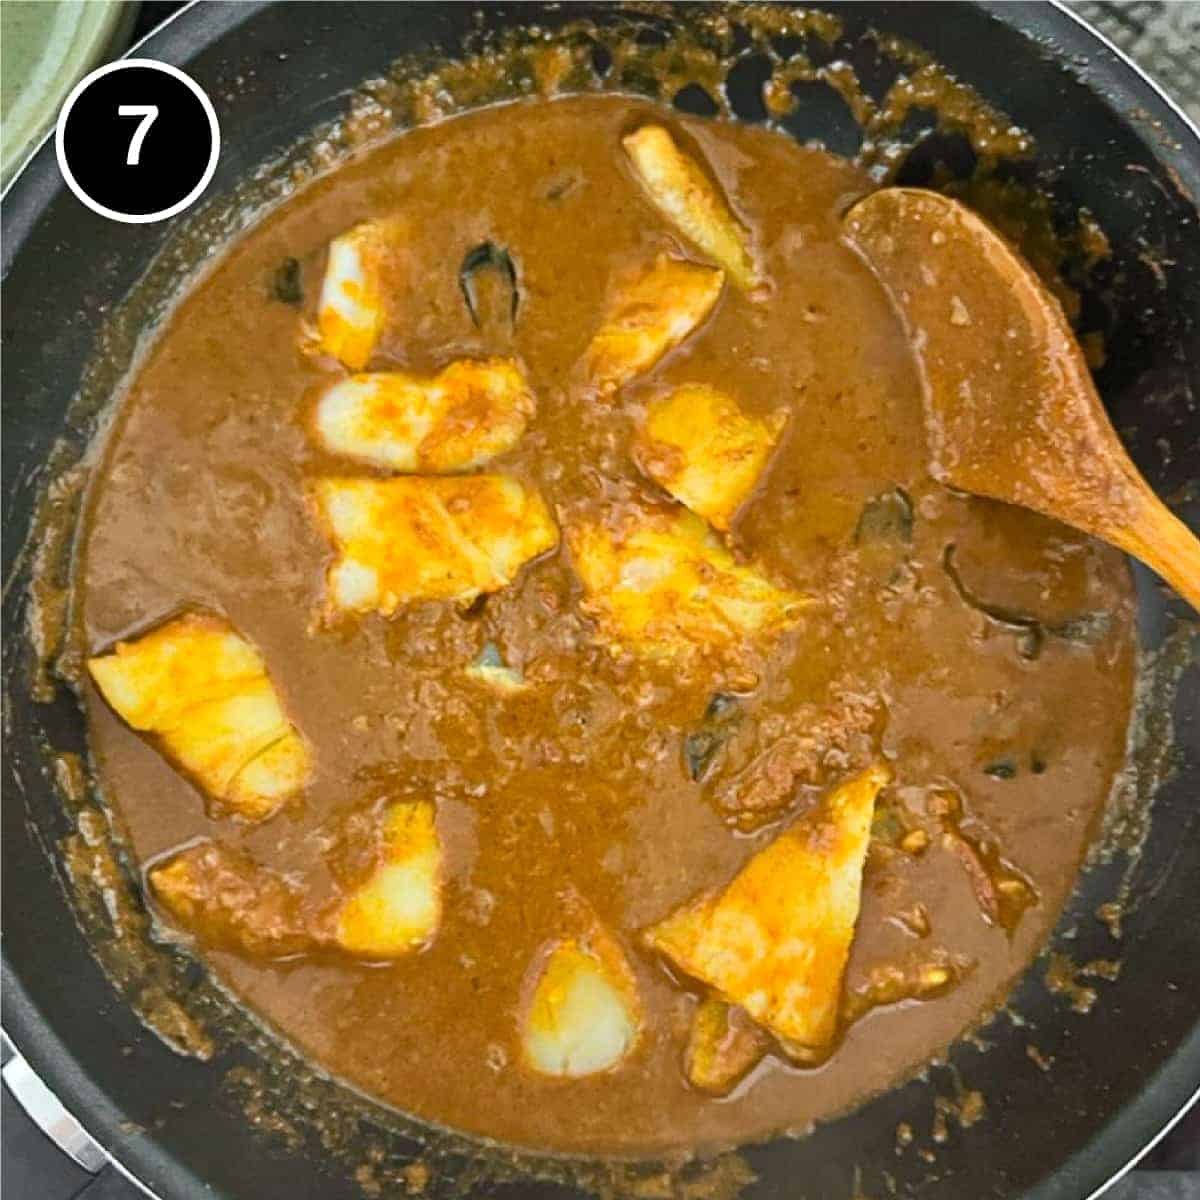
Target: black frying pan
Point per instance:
(1106, 139)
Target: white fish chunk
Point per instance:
(201, 691)
(698, 444)
(724, 1045)
(419, 538)
(467, 414)
(232, 902)
(398, 908)
(776, 940)
(681, 190)
(660, 584)
(648, 315)
(353, 305)
(583, 1014)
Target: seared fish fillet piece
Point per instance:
(679, 188)
(399, 906)
(460, 418)
(776, 940)
(583, 1015)
(646, 317)
(232, 902)
(724, 1045)
(663, 586)
(202, 692)
(352, 308)
(703, 449)
(407, 539)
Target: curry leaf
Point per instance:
(288, 282)
(1002, 768)
(704, 743)
(487, 256)
(1087, 628)
(1029, 630)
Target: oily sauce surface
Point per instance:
(580, 781)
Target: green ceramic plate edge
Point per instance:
(98, 29)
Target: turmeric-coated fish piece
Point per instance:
(583, 1015)
(459, 418)
(232, 902)
(776, 940)
(698, 444)
(421, 538)
(353, 305)
(681, 190)
(399, 906)
(202, 692)
(648, 315)
(662, 585)
(724, 1045)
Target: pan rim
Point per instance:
(1165, 1097)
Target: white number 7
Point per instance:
(148, 113)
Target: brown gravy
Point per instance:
(200, 504)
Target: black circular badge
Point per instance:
(137, 140)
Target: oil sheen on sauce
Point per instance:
(200, 503)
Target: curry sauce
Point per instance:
(584, 775)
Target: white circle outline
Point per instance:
(111, 213)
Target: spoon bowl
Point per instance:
(1011, 411)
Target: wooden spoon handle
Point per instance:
(1166, 545)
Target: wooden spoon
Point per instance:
(1010, 408)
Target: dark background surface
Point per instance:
(1165, 40)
